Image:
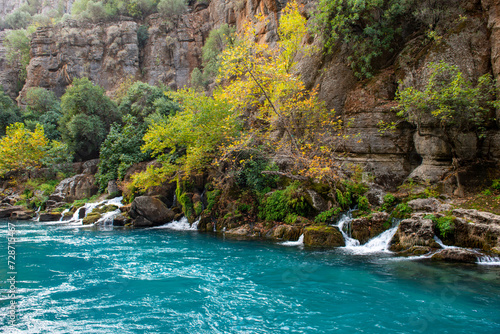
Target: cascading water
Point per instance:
(299, 242)
(378, 244)
(489, 260)
(440, 243)
(345, 223)
(179, 225)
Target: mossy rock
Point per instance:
(91, 218)
(323, 236)
(105, 208)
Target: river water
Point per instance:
(83, 280)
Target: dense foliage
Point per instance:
(216, 42)
(141, 104)
(451, 102)
(21, 148)
(42, 106)
(373, 29)
(87, 117)
(9, 112)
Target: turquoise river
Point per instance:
(74, 280)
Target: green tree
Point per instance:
(42, 106)
(190, 139)
(141, 105)
(142, 100)
(18, 19)
(9, 112)
(87, 117)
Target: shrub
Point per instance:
(326, 216)
(402, 211)
(142, 36)
(17, 46)
(172, 8)
(18, 19)
(250, 175)
(282, 203)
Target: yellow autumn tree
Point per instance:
(259, 80)
(21, 149)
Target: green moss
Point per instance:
(198, 208)
(327, 215)
(91, 218)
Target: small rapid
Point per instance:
(179, 225)
(299, 242)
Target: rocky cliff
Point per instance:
(108, 53)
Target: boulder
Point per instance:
(76, 187)
(22, 214)
(91, 218)
(142, 222)
(323, 236)
(478, 216)
(285, 232)
(241, 231)
(456, 255)
(49, 216)
(152, 209)
(365, 228)
(425, 204)
(6, 211)
(121, 220)
(474, 235)
(413, 232)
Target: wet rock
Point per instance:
(113, 188)
(49, 216)
(91, 218)
(316, 201)
(375, 195)
(74, 188)
(456, 255)
(241, 231)
(413, 232)
(22, 214)
(285, 232)
(121, 220)
(142, 222)
(152, 209)
(323, 236)
(474, 235)
(6, 211)
(365, 228)
(415, 251)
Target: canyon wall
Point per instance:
(109, 53)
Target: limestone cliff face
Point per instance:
(8, 73)
(108, 53)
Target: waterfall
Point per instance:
(179, 225)
(345, 222)
(440, 243)
(299, 242)
(37, 218)
(378, 244)
(489, 260)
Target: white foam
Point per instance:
(299, 242)
(179, 225)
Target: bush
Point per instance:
(402, 211)
(142, 36)
(327, 216)
(445, 224)
(283, 203)
(250, 175)
(172, 8)
(18, 19)
(87, 118)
